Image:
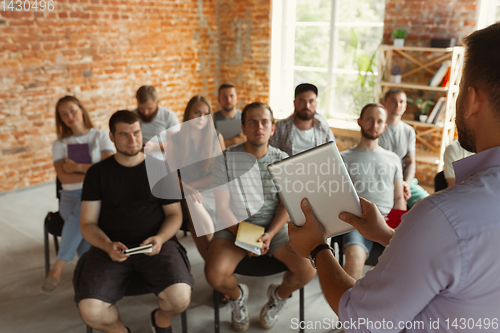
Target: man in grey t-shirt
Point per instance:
(223, 254)
(154, 118)
(229, 115)
(377, 176)
(399, 138)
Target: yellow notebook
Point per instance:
(248, 236)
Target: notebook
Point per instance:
(318, 174)
(248, 236)
(79, 152)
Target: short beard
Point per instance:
(128, 154)
(150, 117)
(304, 116)
(227, 110)
(369, 136)
(465, 136)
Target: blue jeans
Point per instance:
(354, 237)
(71, 238)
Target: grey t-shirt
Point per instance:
(399, 138)
(164, 119)
(237, 166)
(219, 117)
(373, 174)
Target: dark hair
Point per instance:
(369, 106)
(255, 105)
(145, 94)
(64, 131)
(392, 91)
(303, 87)
(225, 86)
(122, 116)
(481, 68)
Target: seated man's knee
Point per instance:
(355, 253)
(176, 298)
(213, 274)
(92, 311)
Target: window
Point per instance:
(330, 43)
(488, 13)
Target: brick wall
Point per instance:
(103, 50)
(245, 47)
(424, 20)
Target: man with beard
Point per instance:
(228, 99)
(377, 176)
(399, 138)
(223, 255)
(154, 119)
(439, 272)
(305, 128)
(119, 212)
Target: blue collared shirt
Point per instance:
(441, 270)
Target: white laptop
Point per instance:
(318, 174)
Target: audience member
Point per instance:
(399, 138)
(228, 100)
(73, 127)
(192, 150)
(377, 176)
(119, 212)
(453, 152)
(153, 118)
(440, 270)
(304, 129)
(223, 255)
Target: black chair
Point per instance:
(257, 266)
(372, 259)
(440, 182)
(136, 287)
(53, 225)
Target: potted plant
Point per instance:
(398, 36)
(422, 104)
(396, 72)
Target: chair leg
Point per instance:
(184, 322)
(216, 311)
(301, 309)
(56, 243)
(46, 245)
(89, 329)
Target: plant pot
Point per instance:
(399, 42)
(422, 118)
(395, 78)
(417, 116)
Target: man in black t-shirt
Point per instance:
(120, 212)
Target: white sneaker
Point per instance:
(240, 317)
(269, 313)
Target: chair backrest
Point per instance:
(440, 182)
(260, 266)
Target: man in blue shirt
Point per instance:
(439, 271)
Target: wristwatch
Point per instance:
(317, 249)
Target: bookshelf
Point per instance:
(424, 60)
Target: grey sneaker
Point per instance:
(240, 317)
(269, 313)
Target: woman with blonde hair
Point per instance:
(76, 136)
(192, 150)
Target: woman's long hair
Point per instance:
(64, 131)
(208, 134)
